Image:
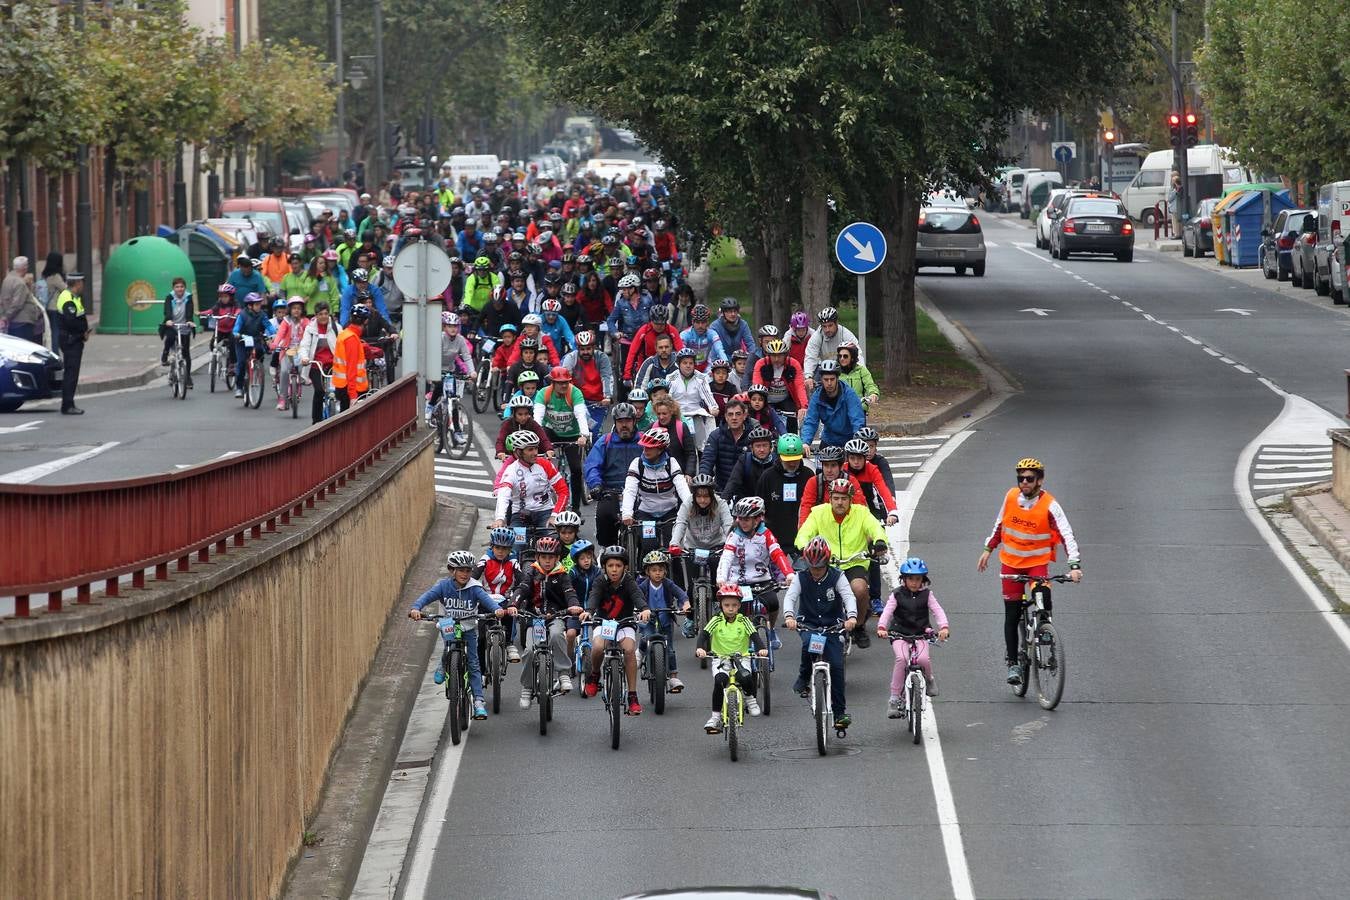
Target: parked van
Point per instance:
(1150, 185)
(1012, 188)
(468, 168)
(1333, 223)
(1036, 188)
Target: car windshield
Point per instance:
(946, 220)
(273, 220)
(1095, 208)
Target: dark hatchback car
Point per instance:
(1277, 243)
(1197, 235)
(28, 371)
(1093, 225)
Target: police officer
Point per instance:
(74, 333)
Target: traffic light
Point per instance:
(393, 140)
(1174, 123)
(1109, 137)
(1192, 130)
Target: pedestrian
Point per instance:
(53, 280)
(14, 319)
(74, 335)
(32, 310)
(1174, 204)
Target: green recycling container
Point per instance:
(136, 279)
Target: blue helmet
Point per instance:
(914, 566)
(580, 546)
(502, 537)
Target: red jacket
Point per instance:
(790, 381)
(501, 357)
(644, 345)
(546, 344)
(596, 308)
(586, 377)
(797, 347)
(665, 245)
(871, 476)
(511, 426)
(811, 491)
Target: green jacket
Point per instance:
(478, 291)
(862, 382)
(301, 285)
(559, 418)
(333, 295)
(847, 539)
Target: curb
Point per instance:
(959, 407)
(1306, 512)
(151, 373)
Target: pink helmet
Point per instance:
(798, 320)
(225, 288)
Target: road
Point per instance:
(1198, 750)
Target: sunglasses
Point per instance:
(1027, 479)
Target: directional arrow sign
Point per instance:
(1038, 311)
(1240, 312)
(26, 426)
(860, 248)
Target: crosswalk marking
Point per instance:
(1282, 467)
(908, 453)
(470, 477)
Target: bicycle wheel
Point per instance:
(174, 383)
(916, 708)
(702, 596)
(495, 388)
(543, 688)
(440, 420)
(820, 692)
(1023, 661)
(229, 372)
(1051, 668)
(215, 370)
(453, 686)
(495, 668)
(731, 721)
(459, 423)
(763, 689)
(616, 701)
(463, 695)
(294, 401)
(254, 394)
(656, 670)
(181, 376)
(480, 389)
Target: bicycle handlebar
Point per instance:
(1023, 579)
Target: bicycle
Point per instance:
(255, 373)
(871, 559)
(545, 685)
(701, 589)
(449, 418)
(293, 384)
(330, 401)
(733, 701)
(569, 459)
(220, 355)
(759, 616)
(646, 534)
(653, 659)
(485, 382)
(613, 682)
(822, 707)
(1040, 649)
(915, 692)
(582, 655)
(178, 367)
(456, 670)
(494, 657)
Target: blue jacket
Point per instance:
(721, 452)
(627, 320)
(582, 581)
(253, 284)
(742, 339)
(457, 602)
(673, 597)
(837, 420)
(469, 250)
(246, 323)
(610, 470)
(560, 331)
(349, 298)
(707, 347)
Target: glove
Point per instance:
(675, 550)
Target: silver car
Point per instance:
(950, 235)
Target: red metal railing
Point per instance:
(60, 537)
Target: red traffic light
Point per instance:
(1190, 118)
(1174, 120)
(1108, 136)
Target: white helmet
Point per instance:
(629, 281)
(532, 319)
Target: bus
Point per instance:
(1119, 167)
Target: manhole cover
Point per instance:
(812, 753)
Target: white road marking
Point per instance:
(448, 758)
(463, 491)
(42, 470)
(1324, 466)
(991, 243)
(1243, 369)
(1035, 256)
(1211, 351)
(1276, 476)
(1304, 449)
(23, 426)
(1174, 328)
(1226, 361)
(1286, 485)
(1191, 339)
(1322, 456)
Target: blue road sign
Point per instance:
(860, 248)
(1063, 152)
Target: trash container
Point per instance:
(1247, 217)
(210, 255)
(136, 279)
(1220, 219)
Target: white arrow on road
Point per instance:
(26, 426)
(865, 252)
(1038, 311)
(1240, 312)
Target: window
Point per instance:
(1096, 208)
(1149, 178)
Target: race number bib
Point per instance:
(648, 530)
(608, 629)
(447, 627)
(702, 555)
(246, 340)
(746, 594)
(489, 345)
(540, 631)
(520, 534)
(817, 644)
(789, 493)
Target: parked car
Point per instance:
(334, 202)
(1197, 234)
(269, 210)
(300, 218)
(1333, 222)
(1301, 254)
(1340, 258)
(950, 235)
(1277, 242)
(1093, 225)
(28, 371)
(1012, 188)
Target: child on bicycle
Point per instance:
(459, 599)
(724, 635)
(543, 589)
(616, 596)
(225, 312)
(752, 556)
(585, 572)
(568, 523)
(664, 594)
(821, 598)
(287, 341)
(911, 610)
(497, 571)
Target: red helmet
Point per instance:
(651, 275)
(558, 373)
(816, 552)
(656, 436)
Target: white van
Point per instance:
(1033, 200)
(470, 167)
(1150, 185)
(1012, 188)
(1333, 223)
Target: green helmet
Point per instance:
(790, 447)
(526, 377)
(482, 262)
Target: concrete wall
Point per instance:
(179, 751)
(1340, 464)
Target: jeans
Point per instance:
(471, 660)
(241, 368)
(834, 655)
(536, 518)
(666, 623)
(557, 642)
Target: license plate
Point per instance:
(950, 254)
(817, 644)
(1099, 229)
(608, 629)
(649, 530)
(540, 632)
(702, 555)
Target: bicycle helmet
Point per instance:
(522, 439)
(828, 314)
(768, 331)
(360, 313)
(828, 367)
(718, 363)
(569, 289)
(507, 326)
(1030, 462)
(548, 544)
(728, 590)
(567, 518)
(850, 346)
(656, 436)
(700, 314)
(552, 278)
(817, 552)
(516, 256)
(449, 318)
(609, 240)
(388, 262)
(637, 397)
(459, 559)
(360, 275)
(568, 257)
(559, 373)
(841, 486)
(748, 508)
(659, 225)
(532, 319)
(624, 411)
(364, 296)
(584, 259)
(739, 354)
(830, 454)
(614, 551)
(703, 481)
(759, 433)
(551, 306)
(867, 433)
(651, 275)
(775, 347)
(657, 384)
(482, 262)
(686, 353)
(659, 313)
(278, 303)
(656, 558)
(520, 401)
(789, 446)
(253, 297)
(856, 447)
(502, 537)
(914, 566)
(729, 303)
(580, 546)
(798, 320)
(526, 377)
(585, 339)
(292, 301)
(226, 288)
(628, 281)
(529, 343)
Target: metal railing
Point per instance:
(74, 536)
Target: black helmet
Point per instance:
(729, 303)
(614, 551)
(360, 313)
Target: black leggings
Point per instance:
(1012, 621)
(745, 678)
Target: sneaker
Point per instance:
(479, 709)
(932, 687)
(238, 393)
(634, 707)
(565, 683)
(439, 676)
(861, 639)
(512, 654)
(164, 360)
(842, 721)
(774, 642)
(876, 606)
(674, 685)
(458, 437)
(526, 695)
(800, 689)
(592, 687)
(752, 705)
(714, 724)
(893, 710)
(281, 405)
(189, 384)
(1014, 674)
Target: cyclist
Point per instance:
(645, 340)
(585, 570)
(226, 311)
(720, 385)
(521, 409)
(740, 372)
(544, 587)
(817, 491)
(824, 344)
(572, 310)
(361, 283)
(555, 327)
(654, 488)
(663, 595)
(296, 282)
(531, 485)
(856, 375)
(290, 334)
(781, 486)
(759, 412)
(1028, 525)
(593, 374)
(799, 333)
(459, 598)
(628, 316)
(733, 331)
(516, 292)
(497, 571)
(700, 338)
(820, 599)
(690, 388)
(561, 409)
(530, 329)
(911, 609)
(724, 446)
(869, 435)
(753, 556)
(527, 385)
(616, 596)
(506, 344)
(834, 413)
(180, 308)
(683, 443)
(725, 635)
(880, 500)
(856, 540)
(760, 351)
(317, 346)
(256, 326)
(753, 463)
(781, 374)
(660, 365)
(703, 520)
(526, 358)
(246, 279)
(607, 466)
(498, 313)
(568, 523)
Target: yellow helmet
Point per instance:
(1030, 462)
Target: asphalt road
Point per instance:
(1199, 749)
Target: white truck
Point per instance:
(1149, 187)
(1333, 224)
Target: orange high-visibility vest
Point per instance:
(1029, 535)
(349, 362)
